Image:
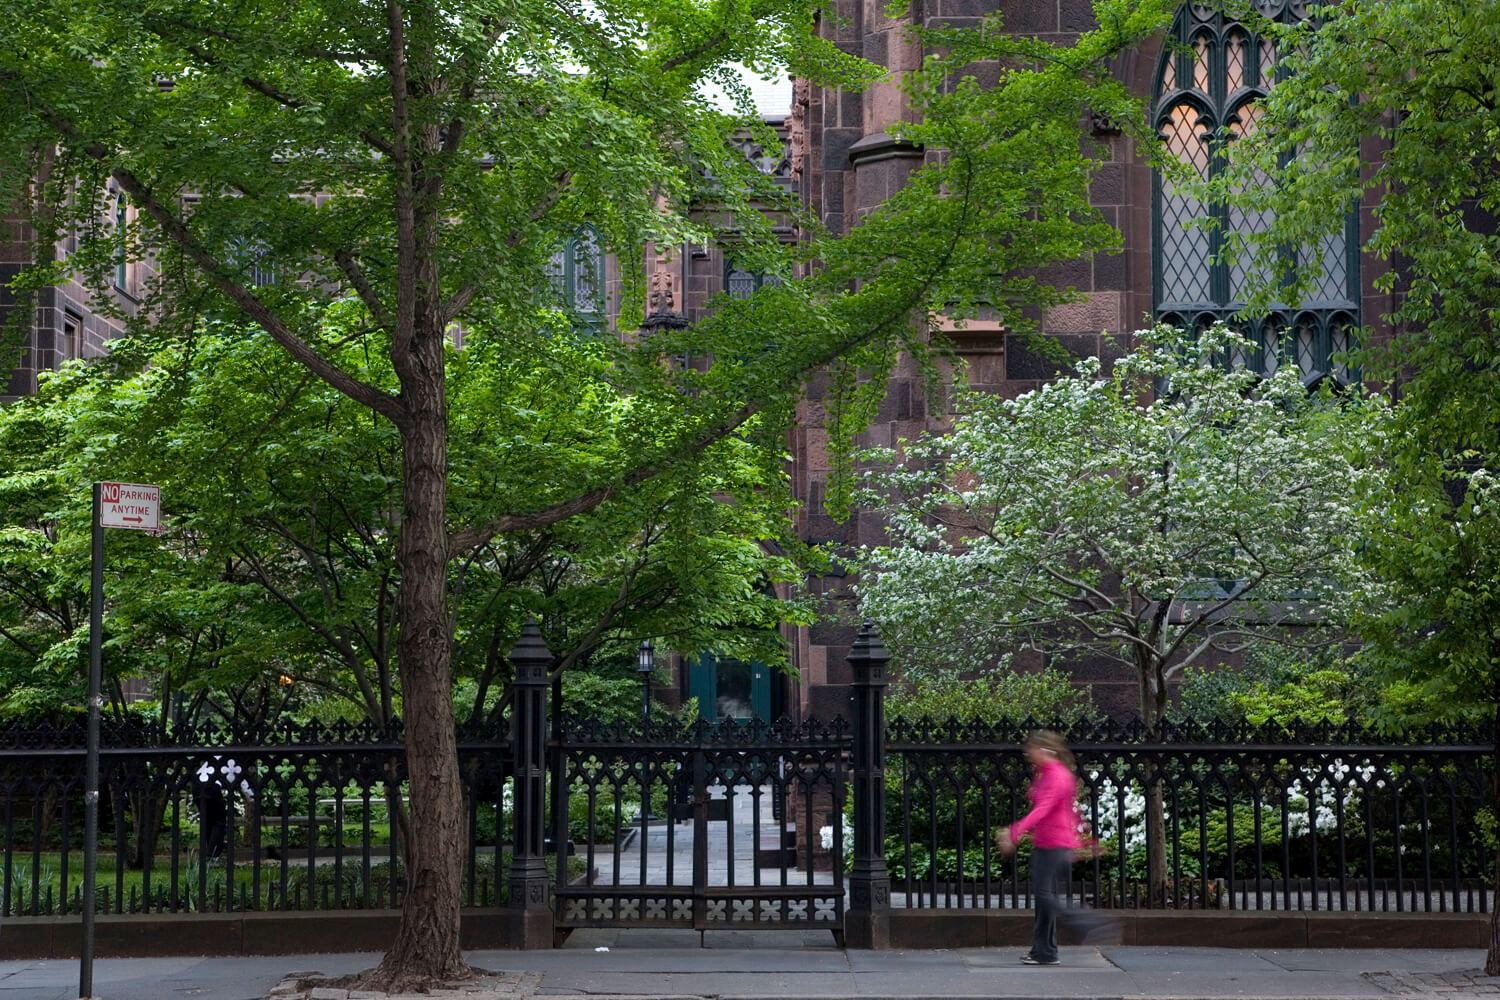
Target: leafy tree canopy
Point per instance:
(426, 160)
(280, 561)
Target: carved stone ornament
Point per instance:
(796, 140)
(662, 295)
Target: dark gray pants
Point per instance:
(1049, 865)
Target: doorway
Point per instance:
(731, 688)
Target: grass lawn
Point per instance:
(38, 889)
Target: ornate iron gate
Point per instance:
(727, 825)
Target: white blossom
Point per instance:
(1064, 519)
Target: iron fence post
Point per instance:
(868, 922)
(530, 908)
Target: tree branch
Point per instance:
(355, 275)
(361, 392)
(1204, 615)
(264, 579)
(254, 83)
(539, 212)
(460, 541)
(1089, 595)
(334, 55)
(266, 88)
(26, 647)
(701, 49)
(458, 303)
(406, 222)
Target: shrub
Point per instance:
(1049, 696)
(1279, 685)
(609, 700)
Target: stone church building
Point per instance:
(839, 159)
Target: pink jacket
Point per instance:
(1053, 820)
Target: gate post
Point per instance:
(868, 921)
(530, 910)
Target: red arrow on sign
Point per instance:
(135, 519)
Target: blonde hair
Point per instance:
(1046, 739)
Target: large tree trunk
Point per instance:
(426, 949)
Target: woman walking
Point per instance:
(1055, 830)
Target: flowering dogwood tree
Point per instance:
(1155, 513)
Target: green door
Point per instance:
(728, 688)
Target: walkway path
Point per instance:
(668, 849)
(800, 966)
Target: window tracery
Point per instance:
(1209, 81)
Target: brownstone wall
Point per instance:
(66, 324)
(851, 168)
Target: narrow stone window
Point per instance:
(72, 339)
(121, 256)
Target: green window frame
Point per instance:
(121, 258)
(731, 688)
(576, 272)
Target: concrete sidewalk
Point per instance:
(800, 966)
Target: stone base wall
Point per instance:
(346, 931)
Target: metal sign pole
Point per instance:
(91, 772)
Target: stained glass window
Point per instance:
(740, 283)
(1209, 81)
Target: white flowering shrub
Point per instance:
(1319, 804)
(1150, 513)
(1122, 818)
(1315, 799)
(825, 838)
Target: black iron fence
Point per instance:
(1336, 818)
(712, 810)
(247, 818)
(233, 818)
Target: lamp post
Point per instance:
(645, 663)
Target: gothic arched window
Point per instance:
(577, 275)
(1211, 75)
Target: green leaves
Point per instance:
(283, 503)
(1412, 84)
(1415, 82)
(1080, 519)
